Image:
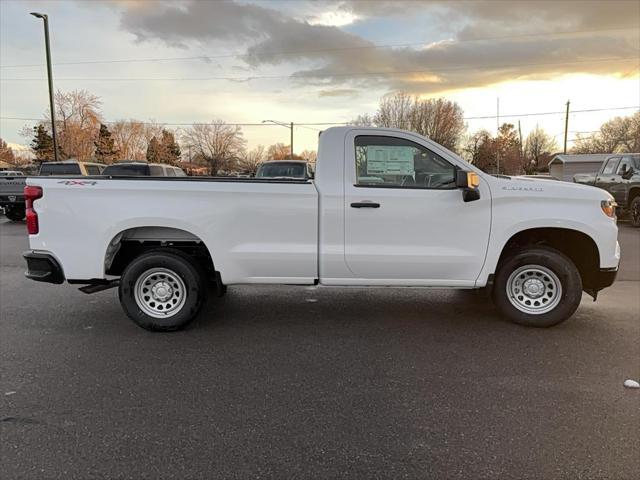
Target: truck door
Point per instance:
(607, 176)
(405, 220)
(620, 187)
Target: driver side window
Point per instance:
(624, 166)
(399, 163)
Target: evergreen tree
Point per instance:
(153, 151)
(105, 149)
(42, 144)
(170, 148)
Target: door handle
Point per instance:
(365, 205)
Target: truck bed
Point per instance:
(250, 225)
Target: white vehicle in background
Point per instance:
(285, 169)
(142, 169)
(386, 208)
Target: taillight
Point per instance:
(32, 193)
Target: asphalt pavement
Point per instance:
(295, 382)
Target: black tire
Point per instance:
(634, 211)
(180, 272)
(568, 298)
(14, 213)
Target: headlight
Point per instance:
(609, 208)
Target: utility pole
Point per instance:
(45, 18)
(521, 146)
(497, 135)
(566, 127)
(286, 125)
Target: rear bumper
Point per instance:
(42, 267)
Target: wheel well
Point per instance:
(130, 243)
(633, 193)
(579, 247)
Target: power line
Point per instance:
(319, 74)
(551, 113)
(320, 124)
(301, 52)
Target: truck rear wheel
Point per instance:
(162, 290)
(539, 287)
(15, 213)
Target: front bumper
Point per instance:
(605, 278)
(42, 267)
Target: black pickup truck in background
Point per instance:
(11, 194)
(620, 176)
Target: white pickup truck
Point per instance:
(386, 208)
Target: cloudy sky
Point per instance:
(312, 61)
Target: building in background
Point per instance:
(565, 166)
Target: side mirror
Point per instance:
(628, 173)
(469, 182)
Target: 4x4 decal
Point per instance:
(82, 183)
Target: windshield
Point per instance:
(59, 169)
(282, 169)
(127, 170)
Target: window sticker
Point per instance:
(387, 160)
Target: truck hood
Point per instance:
(532, 188)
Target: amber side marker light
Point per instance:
(473, 180)
(609, 208)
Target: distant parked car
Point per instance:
(70, 167)
(142, 169)
(285, 169)
(11, 173)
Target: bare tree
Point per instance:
(6, 153)
(508, 145)
(439, 119)
(220, 145)
(130, 139)
(251, 160)
(618, 135)
(538, 148)
(481, 150)
(364, 120)
(311, 156)
(395, 112)
(78, 119)
(280, 151)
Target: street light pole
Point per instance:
(286, 125)
(45, 19)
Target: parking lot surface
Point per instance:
(281, 382)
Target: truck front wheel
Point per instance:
(539, 287)
(634, 211)
(162, 290)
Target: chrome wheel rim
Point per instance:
(534, 289)
(160, 292)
